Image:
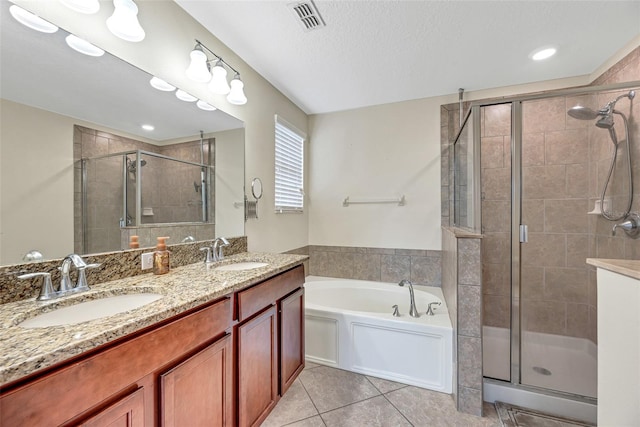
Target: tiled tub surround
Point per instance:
(422, 267)
(24, 351)
(113, 266)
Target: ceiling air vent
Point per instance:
(307, 15)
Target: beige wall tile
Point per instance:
(533, 149)
(496, 278)
(566, 216)
(543, 115)
(395, 268)
(542, 182)
(497, 120)
(533, 214)
(566, 147)
(496, 247)
(545, 250)
(578, 320)
(577, 250)
(532, 282)
(496, 311)
(496, 216)
(492, 152)
(566, 284)
(469, 311)
(543, 316)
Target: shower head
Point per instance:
(582, 113)
(131, 164)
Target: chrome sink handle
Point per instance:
(396, 313)
(66, 284)
(208, 259)
(82, 278)
(430, 309)
(46, 292)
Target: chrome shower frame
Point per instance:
(516, 215)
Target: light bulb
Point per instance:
(161, 85)
(124, 21)
(219, 83)
(236, 95)
(83, 6)
(32, 21)
(198, 70)
(83, 46)
(184, 96)
(205, 106)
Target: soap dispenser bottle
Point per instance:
(161, 257)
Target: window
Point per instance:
(289, 168)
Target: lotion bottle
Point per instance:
(161, 257)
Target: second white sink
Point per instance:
(90, 310)
(238, 266)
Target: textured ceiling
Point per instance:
(377, 52)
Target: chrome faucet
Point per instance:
(413, 312)
(631, 226)
(67, 286)
(430, 309)
(217, 246)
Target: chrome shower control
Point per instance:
(631, 226)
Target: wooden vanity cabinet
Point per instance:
(271, 324)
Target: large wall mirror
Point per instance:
(78, 173)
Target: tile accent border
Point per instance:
(422, 267)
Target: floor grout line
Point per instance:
(311, 399)
(396, 408)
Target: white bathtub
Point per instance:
(349, 325)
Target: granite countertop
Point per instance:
(627, 267)
(24, 351)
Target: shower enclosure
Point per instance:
(530, 177)
(135, 189)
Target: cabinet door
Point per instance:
(127, 412)
(257, 368)
(199, 391)
(291, 338)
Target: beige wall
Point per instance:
(36, 204)
(229, 171)
(170, 34)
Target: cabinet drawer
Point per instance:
(256, 298)
(77, 388)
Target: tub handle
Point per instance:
(430, 309)
(396, 313)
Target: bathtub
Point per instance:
(349, 325)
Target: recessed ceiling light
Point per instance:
(184, 96)
(83, 46)
(160, 84)
(32, 21)
(148, 127)
(205, 106)
(543, 53)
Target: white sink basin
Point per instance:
(238, 266)
(90, 310)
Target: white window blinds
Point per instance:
(289, 168)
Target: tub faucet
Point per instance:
(430, 309)
(413, 312)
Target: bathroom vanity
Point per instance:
(618, 341)
(219, 348)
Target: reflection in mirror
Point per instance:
(184, 178)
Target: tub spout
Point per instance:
(413, 312)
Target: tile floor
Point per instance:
(324, 396)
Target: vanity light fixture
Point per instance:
(236, 96)
(160, 84)
(543, 53)
(124, 21)
(83, 46)
(31, 20)
(87, 7)
(201, 70)
(205, 106)
(184, 96)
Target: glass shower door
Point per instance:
(557, 306)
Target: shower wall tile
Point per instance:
(496, 247)
(470, 311)
(497, 120)
(566, 147)
(543, 115)
(532, 279)
(566, 216)
(496, 278)
(533, 149)
(496, 216)
(544, 316)
(577, 250)
(492, 152)
(566, 284)
(578, 180)
(547, 250)
(543, 182)
(496, 310)
(578, 320)
(496, 184)
(533, 214)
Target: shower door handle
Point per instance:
(524, 233)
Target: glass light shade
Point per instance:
(83, 6)
(161, 85)
(32, 21)
(124, 21)
(198, 70)
(219, 84)
(184, 96)
(236, 96)
(205, 106)
(83, 46)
